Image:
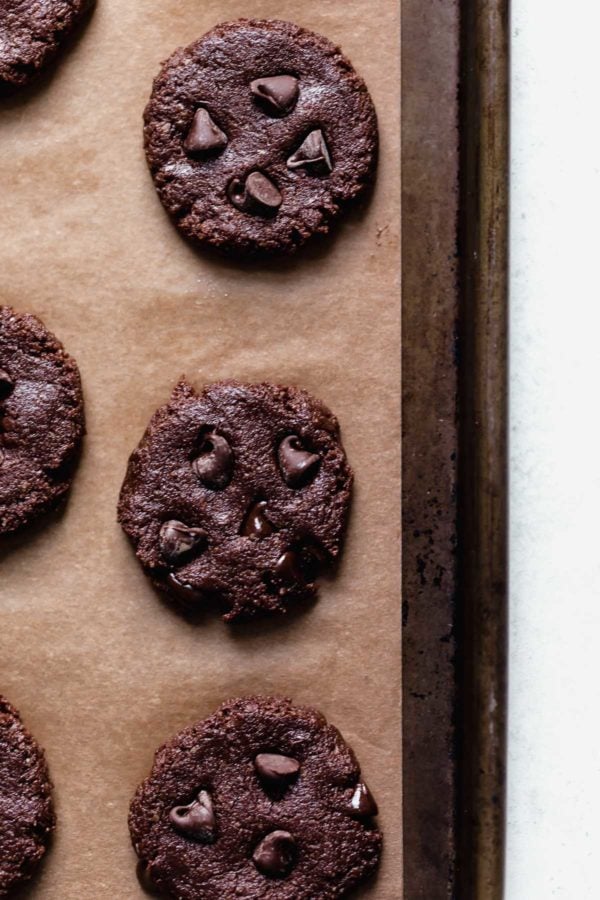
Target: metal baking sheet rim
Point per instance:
(455, 200)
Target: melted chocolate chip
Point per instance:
(257, 195)
(6, 384)
(276, 854)
(362, 803)
(188, 595)
(277, 95)
(204, 136)
(197, 820)
(311, 560)
(289, 569)
(298, 466)
(275, 771)
(312, 154)
(214, 464)
(297, 567)
(178, 540)
(256, 524)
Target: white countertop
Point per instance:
(554, 709)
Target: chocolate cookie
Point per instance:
(257, 135)
(263, 801)
(41, 420)
(31, 34)
(26, 815)
(240, 493)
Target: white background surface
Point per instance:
(554, 730)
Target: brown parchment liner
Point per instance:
(101, 670)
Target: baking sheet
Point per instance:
(100, 669)
(432, 315)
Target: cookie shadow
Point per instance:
(266, 623)
(32, 533)
(196, 617)
(259, 624)
(270, 623)
(15, 96)
(313, 251)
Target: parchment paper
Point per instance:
(101, 670)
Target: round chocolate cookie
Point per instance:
(31, 34)
(26, 814)
(41, 420)
(239, 494)
(257, 135)
(262, 801)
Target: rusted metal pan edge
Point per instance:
(455, 198)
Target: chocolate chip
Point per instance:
(276, 771)
(362, 803)
(204, 136)
(278, 94)
(276, 854)
(6, 384)
(197, 820)
(312, 154)
(178, 540)
(257, 195)
(300, 566)
(288, 568)
(311, 560)
(188, 595)
(298, 465)
(214, 463)
(256, 523)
